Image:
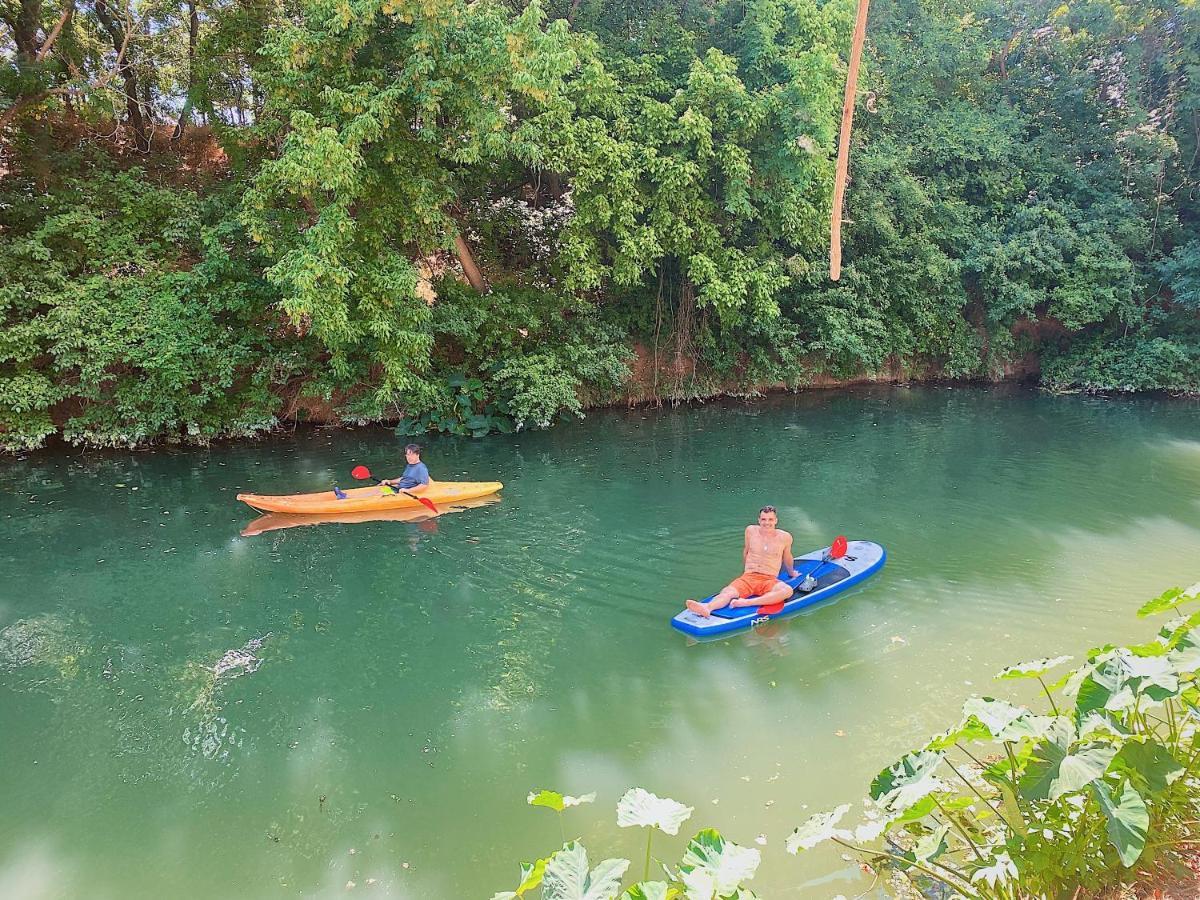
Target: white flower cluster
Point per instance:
(539, 225)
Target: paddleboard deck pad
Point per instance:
(862, 560)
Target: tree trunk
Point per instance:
(25, 28)
(120, 37)
(843, 161)
(185, 114)
(474, 276)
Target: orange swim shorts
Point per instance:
(753, 584)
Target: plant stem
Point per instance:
(966, 837)
(1053, 705)
(977, 793)
(916, 865)
(649, 837)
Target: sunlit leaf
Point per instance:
(642, 808)
(969, 729)
(556, 801)
(714, 867)
(531, 877)
(650, 890)
(909, 780)
(567, 876)
(931, 845)
(1054, 771)
(1168, 599)
(1001, 870)
(1128, 820)
(817, 829)
(1032, 669)
(1003, 720)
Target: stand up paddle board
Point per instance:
(862, 560)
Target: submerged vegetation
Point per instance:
(476, 216)
(1098, 790)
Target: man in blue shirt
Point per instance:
(415, 479)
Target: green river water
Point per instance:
(416, 680)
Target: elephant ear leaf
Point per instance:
(567, 876)
(897, 788)
(817, 830)
(1168, 599)
(1128, 820)
(1148, 764)
(531, 877)
(556, 801)
(1055, 771)
(1034, 668)
(714, 867)
(650, 890)
(640, 807)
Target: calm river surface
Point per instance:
(415, 681)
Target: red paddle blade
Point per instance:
(360, 472)
(428, 504)
(838, 550)
(772, 609)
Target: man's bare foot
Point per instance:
(698, 608)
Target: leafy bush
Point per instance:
(1081, 797)
(130, 311)
(514, 358)
(1134, 363)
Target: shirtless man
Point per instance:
(767, 550)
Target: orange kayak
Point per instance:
(367, 499)
(419, 515)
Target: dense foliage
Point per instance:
(468, 215)
(1102, 787)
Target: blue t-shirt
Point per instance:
(414, 475)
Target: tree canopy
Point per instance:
(472, 215)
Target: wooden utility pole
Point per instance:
(843, 160)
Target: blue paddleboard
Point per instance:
(862, 560)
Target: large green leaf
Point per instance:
(556, 801)
(1055, 771)
(1149, 764)
(969, 729)
(1032, 669)
(640, 807)
(1168, 599)
(1128, 820)
(900, 786)
(1003, 720)
(531, 877)
(650, 890)
(819, 828)
(713, 867)
(567, 876)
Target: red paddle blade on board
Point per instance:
(360, 472)
(836, 551)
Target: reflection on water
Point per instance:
(421, 675)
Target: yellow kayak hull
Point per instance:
(368, 499)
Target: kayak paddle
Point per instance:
(362, 473)
(836, 551)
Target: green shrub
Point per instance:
(130, 312)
